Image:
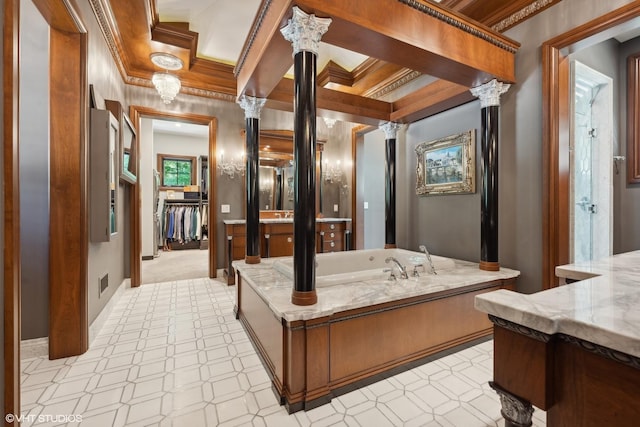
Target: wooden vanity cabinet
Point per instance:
(330, 236)
(276, 239)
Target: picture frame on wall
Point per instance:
(447, 165)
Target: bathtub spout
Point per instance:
(403, 269)
(423, 248)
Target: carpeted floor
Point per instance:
(176, 265)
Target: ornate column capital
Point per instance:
(390, 129)
(515, 410)
(252, 106)
(304, 31)
(489, 93)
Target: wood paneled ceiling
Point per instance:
(133, 31)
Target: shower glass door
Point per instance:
(591, 164)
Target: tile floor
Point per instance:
(172, 354)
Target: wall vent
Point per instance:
(103, 283)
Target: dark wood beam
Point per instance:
(266, 55)
(343, 106)
(431, 99)
(422, 36)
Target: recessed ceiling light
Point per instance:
(166, 61)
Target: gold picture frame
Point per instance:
(447, 165)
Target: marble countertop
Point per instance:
(278, 220)
(275, 288)
(604, 308)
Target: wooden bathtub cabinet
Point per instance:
(276, 239)
(312, 361)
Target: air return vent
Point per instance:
(103, 283)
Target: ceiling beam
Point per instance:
(334, 104)
(418, 35)
(431, 99)
(414, 34)
(266, 55)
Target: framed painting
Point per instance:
(447, 165)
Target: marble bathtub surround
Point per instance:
(601, 309)
(275, 287)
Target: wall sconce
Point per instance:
(332, 173)
(231, 167)
(167, 84)
(329, 122)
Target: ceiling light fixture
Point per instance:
(167, 84)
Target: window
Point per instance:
(176, 171)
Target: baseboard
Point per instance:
(37, 347)
(98, 323)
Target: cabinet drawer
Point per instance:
(278, 228)
(331, 226)
(332, 246)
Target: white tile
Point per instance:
(173, 354)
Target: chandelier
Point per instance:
(167, 84)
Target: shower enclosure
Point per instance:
(591, 163)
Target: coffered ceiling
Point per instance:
(210, 35)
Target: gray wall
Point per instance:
(373, 181)
(626, 197)
(34, 170)
(520, 170)
(110, 257)
(448, 225)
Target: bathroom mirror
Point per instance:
(276, 169)
(128, 151)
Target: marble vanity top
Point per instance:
(275, 288)
(279, 220)
(602, 308)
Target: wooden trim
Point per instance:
(633, 119)
(136, 113)
(68, 214)
(163, 157)
(555, 136)
(11, 204)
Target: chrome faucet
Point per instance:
(423, 248)
(403, 270)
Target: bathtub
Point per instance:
(363, 326)
(353, 266)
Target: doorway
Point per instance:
(590, 163)
(175, 160)
(137, 114)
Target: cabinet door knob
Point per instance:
(333, 234)
(289, 240)
(332, 226)
(333, 244)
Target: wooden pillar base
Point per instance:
(489, 266)
(390, 246)
(304, 298)
(252, 259)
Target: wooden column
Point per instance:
(489, 95)
(390, 131)
(10, 16)
(304, 32)
(252, 107)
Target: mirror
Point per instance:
(127, 155)
(276, 169)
